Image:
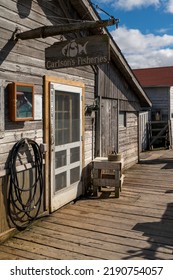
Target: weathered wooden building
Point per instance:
(158, 84)
(63, 102)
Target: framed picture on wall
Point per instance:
(21, 101)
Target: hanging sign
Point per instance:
(78, 52)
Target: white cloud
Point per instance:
(144, 50)
(131, 4)
(170, 6)
(166, 5)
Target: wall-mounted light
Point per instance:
(89, 109)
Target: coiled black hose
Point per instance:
(25, 198)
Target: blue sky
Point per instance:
(145, 33)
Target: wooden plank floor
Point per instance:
(138, 225)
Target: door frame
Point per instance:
(48, 129)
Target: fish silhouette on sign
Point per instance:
(73, 49)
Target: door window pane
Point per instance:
(75, 117)
(62, 118)
(60, 159)
(60, 181)
(74, 174)
(74, 154)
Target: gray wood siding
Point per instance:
(160, 98)
(144, 118)
(109, 128)
(113, 89)
(171, 102)
(113, 85)
(128, 139)
(171, 109)
(24, 61)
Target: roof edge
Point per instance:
(117, 55)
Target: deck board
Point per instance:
(138, 225)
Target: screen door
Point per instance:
(66, 135)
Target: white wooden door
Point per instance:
(66, 146)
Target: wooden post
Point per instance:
(47, 31)
(118, 110)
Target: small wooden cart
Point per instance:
(107, 174)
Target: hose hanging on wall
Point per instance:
(26, 187)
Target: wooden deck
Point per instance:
(138, 225)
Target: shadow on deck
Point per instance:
(138, 225)
(160, 235)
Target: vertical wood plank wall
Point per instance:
(128, 139)
(109, 127)
(160, 98)
(144, 118)
(114, 89)
(171, 109)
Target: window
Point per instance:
(122, 119)
(21, 101)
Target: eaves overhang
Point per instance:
(84, 7)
